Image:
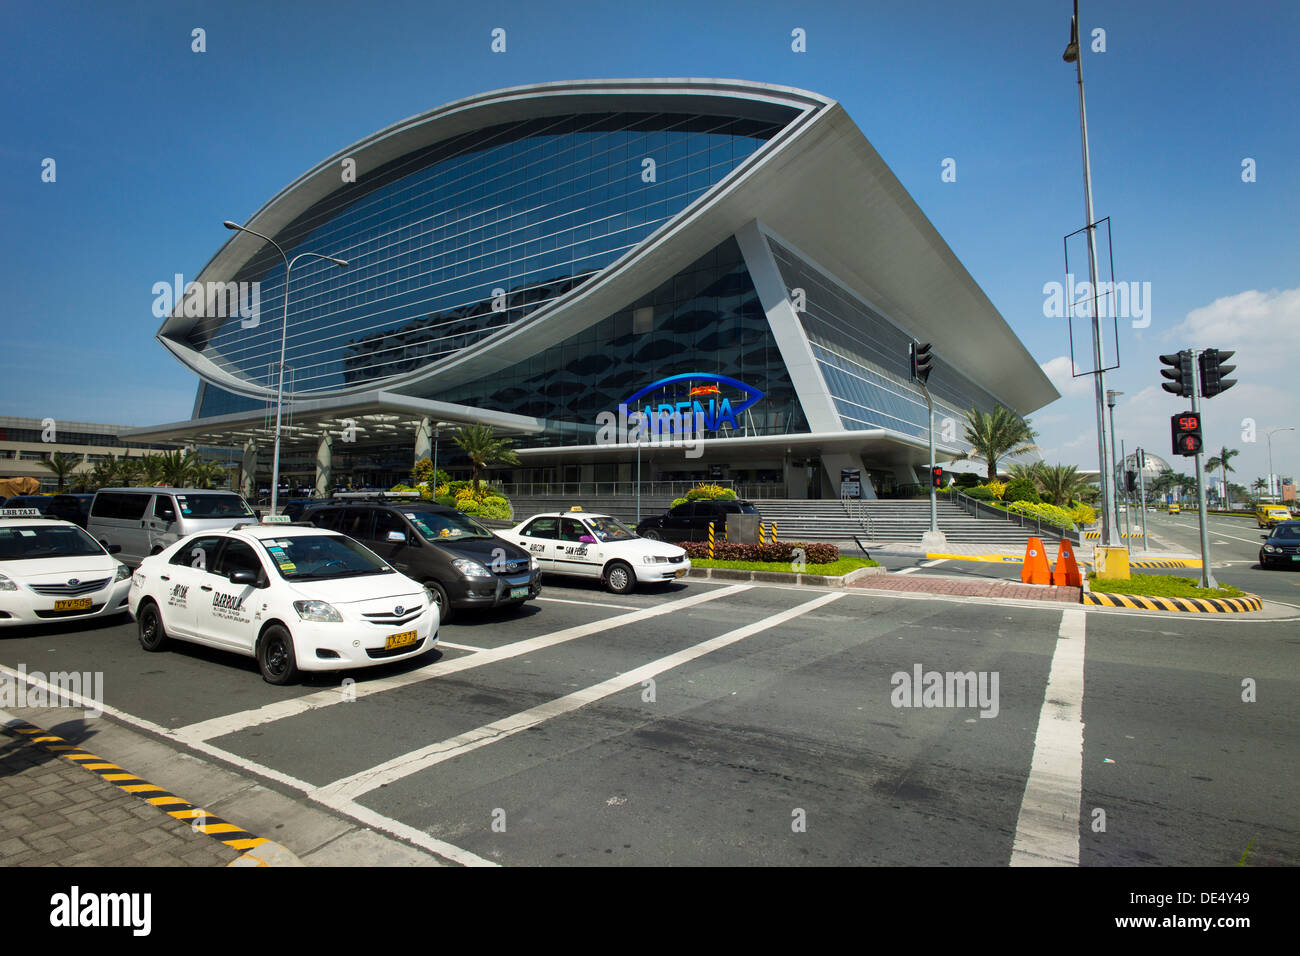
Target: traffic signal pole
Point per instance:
(1142, 494)
(1207, 576)
(934, 507)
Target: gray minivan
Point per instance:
(143, 521)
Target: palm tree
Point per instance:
(993, 435)
(483, 448)
(1060, 484)
(1220, 461)
(61, 465)
(206, 473)
(152, 469)
(1029, 472)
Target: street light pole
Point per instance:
(1271, 479)
(284, 335)
(1109, 529)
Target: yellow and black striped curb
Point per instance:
(200, 820)
(1167, 563)
(1142, 602)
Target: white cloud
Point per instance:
(1262, 327)
(1059, 371)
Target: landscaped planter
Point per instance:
(785, 577)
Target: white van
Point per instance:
(144, 521)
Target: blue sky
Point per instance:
(155, 145)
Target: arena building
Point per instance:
(537, 257)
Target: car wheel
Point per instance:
(153, 636)
(619, 577)
(653, 535)
(275, 656)
(440, 599)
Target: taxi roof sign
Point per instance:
(277, 519)
(576, 508)
(19, 513)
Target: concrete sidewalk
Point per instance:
(965, 587)
(59, 813)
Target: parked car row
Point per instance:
(360, 580)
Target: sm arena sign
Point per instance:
(680, 405)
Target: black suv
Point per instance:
(690, 521)
(464, 564)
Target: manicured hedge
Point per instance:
(1020, 489)
(814, 553)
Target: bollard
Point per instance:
(774, 532)
(710, 540)
(762, 533)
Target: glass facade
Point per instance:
(705, 320)
(454, 241)
(864, 359)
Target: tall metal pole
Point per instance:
(1109, 528)
(1272, 479)
(284, 332)
(1121, 481)
(1142, 494)
(934, 507)
(1207, 576)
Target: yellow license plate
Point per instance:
(399, 640)
(73, 604)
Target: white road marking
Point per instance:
(363, 815)
(1047, 832)
(349, 788)
(617, 607)
(461, 647)
(923, 564)
(233, 723)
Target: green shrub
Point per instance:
(814, 553)
(705, 492)
(1020, 489)
(967, 480)
(980, 493)
(676, 502)
(1050, 513)
(447, 501)
(1082, 514)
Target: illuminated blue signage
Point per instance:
(709, 396)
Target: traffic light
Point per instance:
(1141, 459)
(936, 476)
(1130, 481)
(918, 355)
(1179, 373)
(1213, 371)
(1186, 430)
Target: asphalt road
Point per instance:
(739, 725)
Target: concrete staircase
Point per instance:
(823, 520)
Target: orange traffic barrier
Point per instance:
(1066, 573)
(1035, 569)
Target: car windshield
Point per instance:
(446, 526)
(213, 506)
(22, 543)
(1290, 532)
(609, 529)
(318, 556)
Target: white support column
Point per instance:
(423, 440)
(325, 466)
(248, 470)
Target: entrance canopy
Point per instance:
(368, 417)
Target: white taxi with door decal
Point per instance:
(52, 570)
(598, 546)
(293, 597)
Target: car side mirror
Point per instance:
(1265, 537)
(396, 537)
(586, 539)
(244, 577)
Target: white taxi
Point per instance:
(598, 546)
(296, 598)
(51, 570)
